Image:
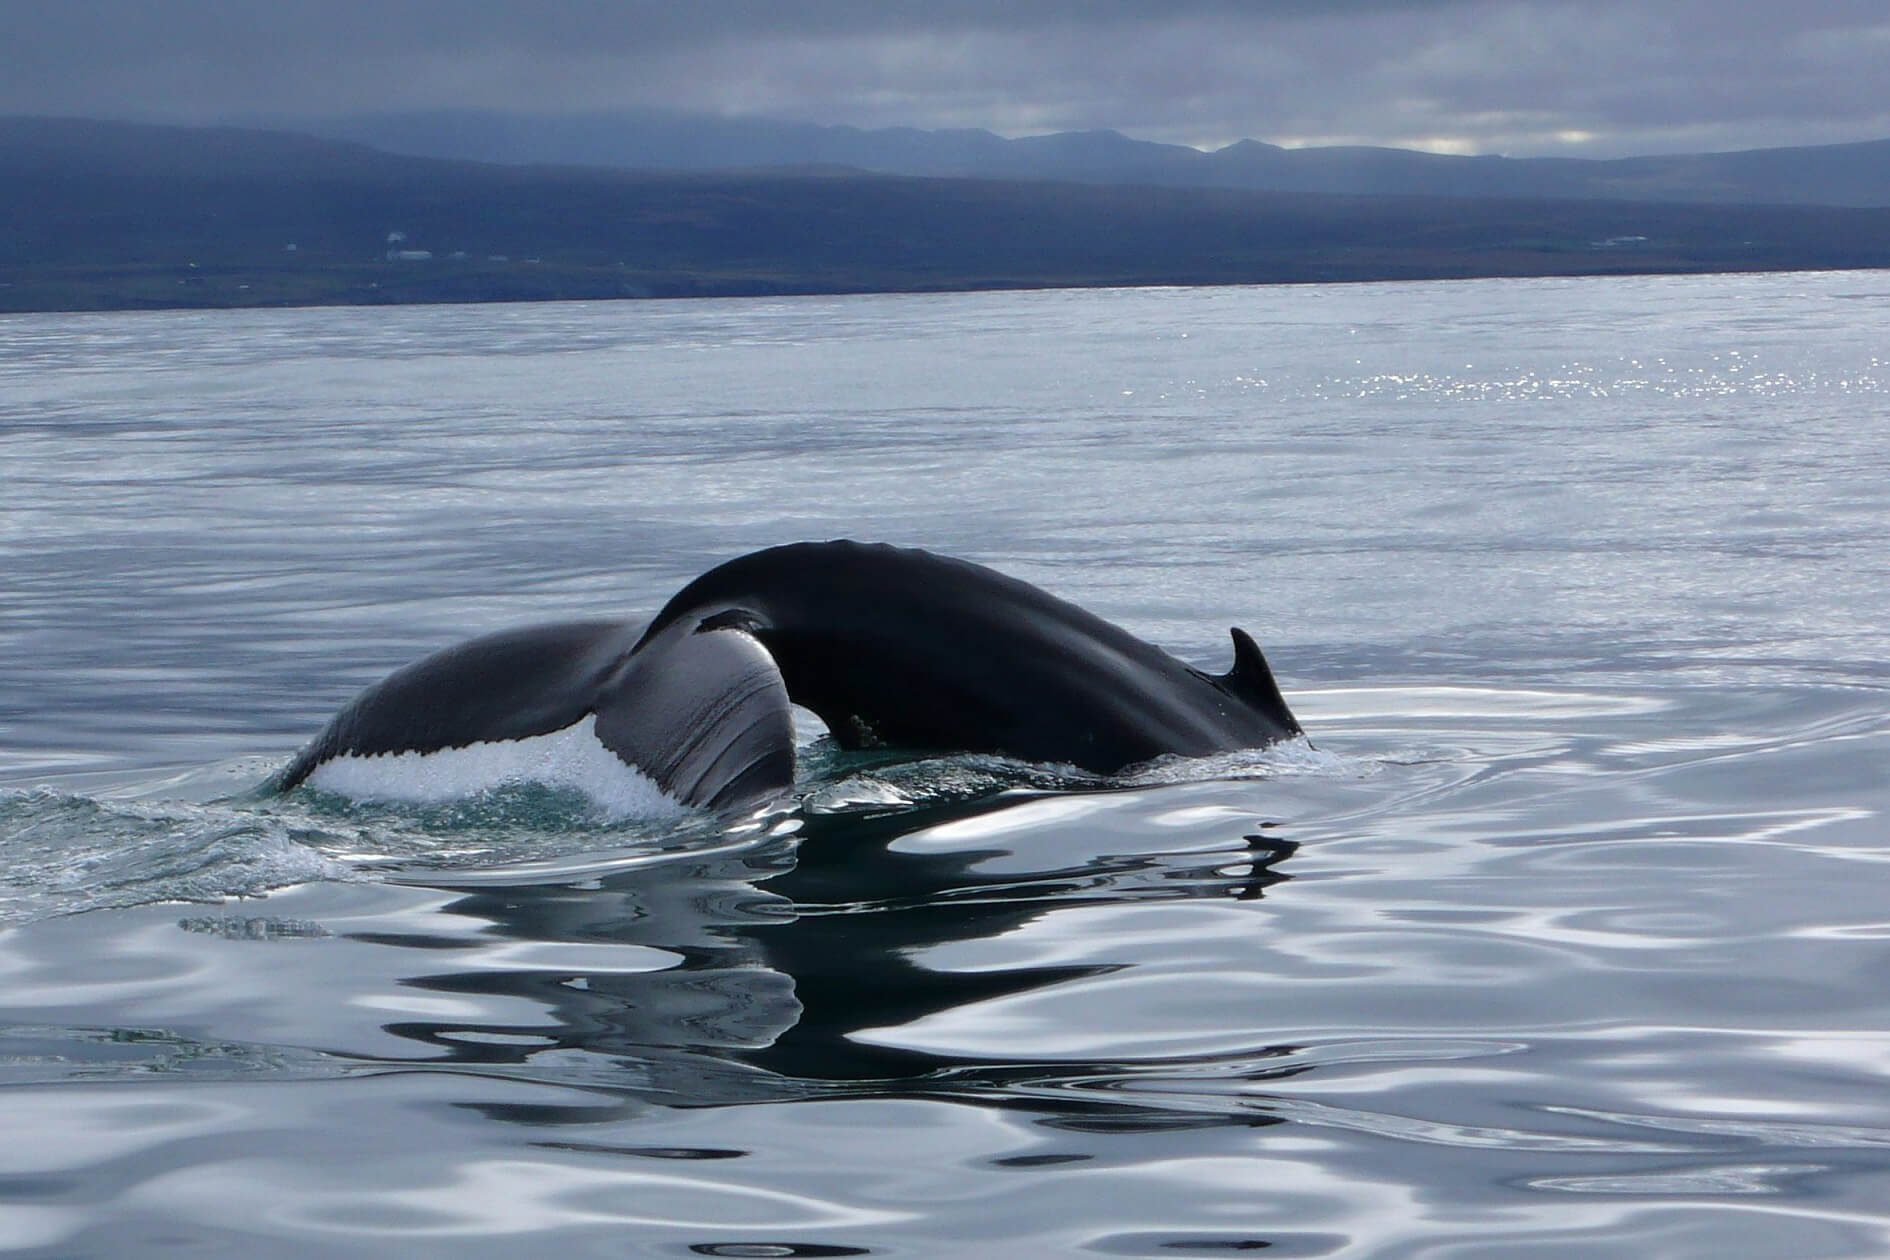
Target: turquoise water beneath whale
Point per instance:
(1567, 934)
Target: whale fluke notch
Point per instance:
(1251, 680)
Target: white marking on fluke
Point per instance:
(570, 758)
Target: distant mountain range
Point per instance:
(1832, 175)
(101, 215)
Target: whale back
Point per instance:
(903, 648)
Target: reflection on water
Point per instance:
(575, 1006)
(779, 962)
(1186, 1017)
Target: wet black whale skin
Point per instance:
(901, 648)
(891, 647)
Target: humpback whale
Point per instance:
(890, 647)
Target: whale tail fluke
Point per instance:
(704, 713)
(1251, 680)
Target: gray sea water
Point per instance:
(1579, 587)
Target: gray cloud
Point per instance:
(1517, 76)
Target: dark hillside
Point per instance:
(148, 216)
(1856, 174)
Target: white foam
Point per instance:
(571, 758)
(1286, 757)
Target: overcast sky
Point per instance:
(1581, 77)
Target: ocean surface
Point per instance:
(1567, 933)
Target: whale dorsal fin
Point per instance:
(1252, 680)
